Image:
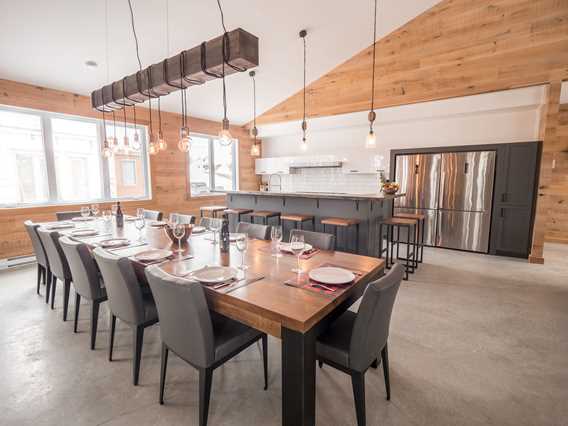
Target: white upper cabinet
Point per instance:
(270, 166)
(361, 163)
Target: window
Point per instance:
(212, 166)
(48, 158)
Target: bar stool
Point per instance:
(264, 216)
(397, 223)
(337, 223)
(298, 219)
(239, 213)
(211, 211)
(421, 218)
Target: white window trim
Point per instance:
(47, 140)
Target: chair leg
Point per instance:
(138, 340)
(375, 364)
(53, 285)
(320, 363)
(163, 371)
(44, 275)
(385, 359)
(66, 291)
(358, 383)
(77, 304)
(265, 359)
(94, 322)
(48, 286)
(39, 273)
(111, 335)
(205, 376)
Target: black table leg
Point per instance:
(298, 378)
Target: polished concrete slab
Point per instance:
(475, 340)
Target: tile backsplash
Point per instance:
(326, 180)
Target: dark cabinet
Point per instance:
(516, 177)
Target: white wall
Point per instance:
(501, 117)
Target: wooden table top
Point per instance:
(267, 304)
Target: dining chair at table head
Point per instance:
(208, 222)
(39, 252)
(318, 240)
(67, 215)
(86, 280)
(126, 300)
(184, 219)
(254, 230)
(202, 338)
(58, 266)
(153, 215)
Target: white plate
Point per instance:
(130, 218)
(114, 242)
(152, 255)
(85, 232)
(60, 226)
(214, 274)
(82, 219)
(198, 229)
(158, 223)
(286, 247)
(233, 237)
(331, 275)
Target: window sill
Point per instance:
(73, 203)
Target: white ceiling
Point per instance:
(47, 42)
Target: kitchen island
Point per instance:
(369, 209)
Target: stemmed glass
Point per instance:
(241, 242)
(107, 215)
(140, 223)
(139, 212)
(85, 211)
(297, 246)
(114, 209)
(276, 237)
(215, 226)
(95, 209)
(179, 232)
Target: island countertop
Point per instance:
(318, 195)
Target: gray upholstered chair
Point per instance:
(41, 258)
(203, 339)
(127, 302)
(67, 215)
(86, 280)
(354, 340)
(318, 240)
(209, 221)
(253, 230)
(185, 219)
(153, 215)
(57, 265)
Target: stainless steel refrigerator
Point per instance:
(454, 191)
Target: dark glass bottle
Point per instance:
(119, 216)
(224, 237)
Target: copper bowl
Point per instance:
(391, 188)
(170, 231)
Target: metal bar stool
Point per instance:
(410, 260)
(264, 216)
(239, 213)
(337, 223)
(298, 220)
(211, 211)
(421, 228)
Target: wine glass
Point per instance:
(95, 209)
(85, 211)
(114, 208)
(297, 246)
(140, 223)
(276, 237)
(179, 232)
(139, 212)
(215, 226)
(107, 215)
(241, 242)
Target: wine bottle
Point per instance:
(225, 240)
(119, 216)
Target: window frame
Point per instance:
(49, 156)
(211, 150)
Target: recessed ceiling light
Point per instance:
(91, 64)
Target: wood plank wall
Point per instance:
(459, 48)
(168, 169)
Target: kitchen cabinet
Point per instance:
(360, 163)
(270, 166)
(511, 231)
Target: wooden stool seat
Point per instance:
(338, 221)
(411, 216)
(238, 211)
(264, 213)
(421, 218)
(296, 217)
(400, 221)
(212, 210)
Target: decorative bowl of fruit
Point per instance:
(390, 188)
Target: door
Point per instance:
(429, 225)
(513, 238)
(464, 230)
(519, 170)
(419, 178)
(467, 181)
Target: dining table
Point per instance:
(264, 296)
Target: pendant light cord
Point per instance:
(374, 56)
(304, 39)
(254, 102)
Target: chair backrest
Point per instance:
(254, 230)
(209, 221)
(37, 245)
(185, 219)
(83, 268)
(57, 261)
(371, 328)
(153, 215)
(318, 240)
(67, 215)
(185, 320)
(122, 287)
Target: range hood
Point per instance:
(312, 164)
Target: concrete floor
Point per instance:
(475, 340)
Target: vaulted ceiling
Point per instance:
(48, 42)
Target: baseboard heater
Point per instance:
(12, 262)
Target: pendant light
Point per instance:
(225, 137)
(304, 144)
(371, 141)
(114, 145)
(162, 144)
(106, 151)
(184, 138)
(136, 138)
(255, 148)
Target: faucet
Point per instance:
(279, 182)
